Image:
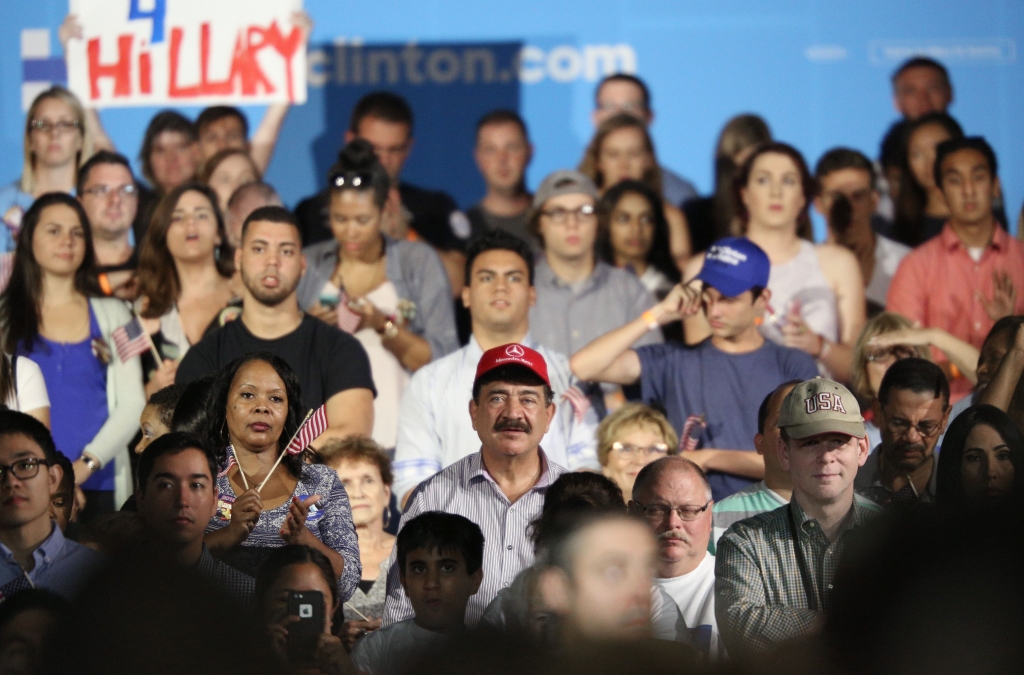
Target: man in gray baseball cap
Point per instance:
(579, 298)
(774, 572)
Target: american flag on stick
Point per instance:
(131, 339)
(348, 319)
(311, 427)
(578, 400)
(693, 429)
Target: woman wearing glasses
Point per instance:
(631, 438)
(56, 144)
(393, 295)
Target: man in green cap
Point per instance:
(774, 572)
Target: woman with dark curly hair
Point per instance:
(255, 410)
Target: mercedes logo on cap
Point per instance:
(515, 350)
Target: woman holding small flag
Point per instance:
(267, 496)
(52, 312)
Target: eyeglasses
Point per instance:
(903, 427)
(46, 126)
(583, 214)
(103, 191)
(661, 511)
(631, 451)
(897, 353)
(23, 469)
(355, 180)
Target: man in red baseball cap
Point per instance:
(502, 487)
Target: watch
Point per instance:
(93, 465)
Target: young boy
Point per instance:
(155, 420)
(440, 556)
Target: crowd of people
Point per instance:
(606, 426)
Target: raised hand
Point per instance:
(1004, 296)
(294, 527)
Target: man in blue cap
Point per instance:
(710, 391)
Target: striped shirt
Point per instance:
(746, 503)
(435, 430)
(465, 488)
(759, 594)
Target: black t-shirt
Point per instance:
(325, 359)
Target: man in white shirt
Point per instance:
(433, 429)
(674, 496)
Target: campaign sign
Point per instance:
(186, 52)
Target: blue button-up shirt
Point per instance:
(61, 565)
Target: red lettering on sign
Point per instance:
(205, 84)
(120, 70)
(145, 73)
(173, 90)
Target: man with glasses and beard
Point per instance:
(911, 411)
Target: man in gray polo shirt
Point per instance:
(579, 298)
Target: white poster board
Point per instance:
(187, 52)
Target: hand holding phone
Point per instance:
(303, 633)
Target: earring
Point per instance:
(387, 516)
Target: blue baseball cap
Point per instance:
(735, 265)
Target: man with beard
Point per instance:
(911, 410)
(332, 367)
(501, 488)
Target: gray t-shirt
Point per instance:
(481, 220)
(392, 649)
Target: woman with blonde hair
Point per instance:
(631, 438)
(622, 149)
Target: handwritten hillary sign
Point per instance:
(181, 52)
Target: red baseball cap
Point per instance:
(513, 354)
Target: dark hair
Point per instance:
(100, 157)
(218, 112)
(22, 299)
(1004, 325)
(947, 148)
(166, 400)
(576, 492)
(838, 159)
(807, 182)
(382, 105)
(272, 214)
(497, 240)
(286, 556)
(659, 255)
(590, 163)
(171, 444)
(441, 532)
(890, 152)
(165, 120)
(921, 62)
(502, 116)
(158, 275)
(738, 134)
(68, 468)
(949, 485)
(216, 423)
(762, 411)
(113, 532)
(917, 375)
(356, 163)
(358, 449)
(192, 411)
(8, 387)
(514, 374)
(13, 423)
(645, 93)
(33, 598)
(912, 197)
(219, 157)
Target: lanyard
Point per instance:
(805, 575)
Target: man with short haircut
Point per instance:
(774, 572)
(578, 297)
(776, 489)
(710, 391)
(331, 365)
(433, 429)
(110, 196)
(501, 487)
(502, 153)
(920, 86)
(674, 497)
(622, 93)
(33, 550)
(847, 199)
(244, 200)
(223, 127)
(972, 273)
(911, 411)
(440, 559)
(177, 497)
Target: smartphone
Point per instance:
(303, 634)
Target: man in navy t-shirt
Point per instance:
(710, 391)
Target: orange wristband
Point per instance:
(648, 317)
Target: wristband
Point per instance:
(648, 317)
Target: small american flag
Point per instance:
(131, 339)
(314, 425)
(692, 431)
(348, 320)
(578, 400)
(231, 462)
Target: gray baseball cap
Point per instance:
(820, 406)
(563, 182)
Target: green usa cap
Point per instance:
(821, 406)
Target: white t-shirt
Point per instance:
(390, 650)
(888, 254)
(694, 594)
(31, 387)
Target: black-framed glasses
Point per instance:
(352, 180)
(661, 511)
(902, 427)
(584, 214)
(631, 451)
(46, 126)
(23, 469)
(126, 191)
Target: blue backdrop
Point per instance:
(818, 71)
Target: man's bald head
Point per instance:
(652, 474)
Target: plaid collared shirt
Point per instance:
(759, 594)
